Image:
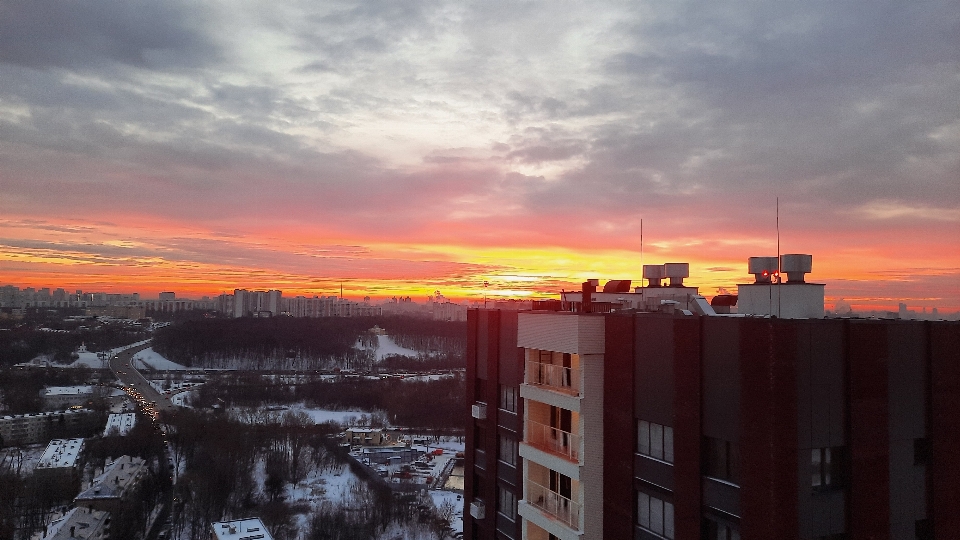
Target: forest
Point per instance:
(434, 405)
(305, 343)
(48, 334)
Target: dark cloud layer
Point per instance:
(80, 35)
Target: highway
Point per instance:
(136, 385)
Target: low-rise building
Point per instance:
(61, 453)
(62, 397)
(60, 461)
(367, 436)
(78, 524)
(240, 529)
(114, 486)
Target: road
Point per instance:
(136, 385)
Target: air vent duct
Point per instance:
(795, 266)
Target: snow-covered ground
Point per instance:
(387, 347)
(21, 458)
(150, 359)
(440, 496)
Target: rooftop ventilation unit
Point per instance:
(676, 272)
(762, 268)
(653, 273)
(795, 266)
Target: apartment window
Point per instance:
(655, 515)
(506, 503)
(477, 488)
(478, 389)
(655, 440)
(826, 468)
(479, 436)
(721, 459)
(711, 530)
(921, 451)
(508, 398)
(507, 449)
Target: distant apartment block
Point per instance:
(41, 427)
(645, 414)
(240, 529)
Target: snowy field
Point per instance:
(150, 359)
(21, 458)
(440, 496)
(387, 347)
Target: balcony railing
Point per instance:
(553, 440)
(551, 502)
(552, 375)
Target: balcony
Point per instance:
(553, 440)
(479, 411)
(553, 376)
(553, 504)
(478, 510)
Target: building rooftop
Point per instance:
(47, 413)
(60, 453)
(78, 523)
(68, 390)
(116, 478)
(241, 529)
(121, 422)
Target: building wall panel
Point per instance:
(868, 508)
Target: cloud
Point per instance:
(436, 124)
(80, 35)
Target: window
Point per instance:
(506, 503)
(826, 468)
(477, 487)
(655, 515)
(721, 459)
(711, 530)
(508, 398)
(479, 437)
(921, 451)
(655, 440)
(507, 450)
(478, 389)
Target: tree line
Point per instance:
(436, 405)
(306, 343)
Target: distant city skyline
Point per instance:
(405, 147)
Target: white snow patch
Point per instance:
(150, 359)
(387, 347)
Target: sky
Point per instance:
(401, 146)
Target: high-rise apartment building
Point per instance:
(648, 415)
